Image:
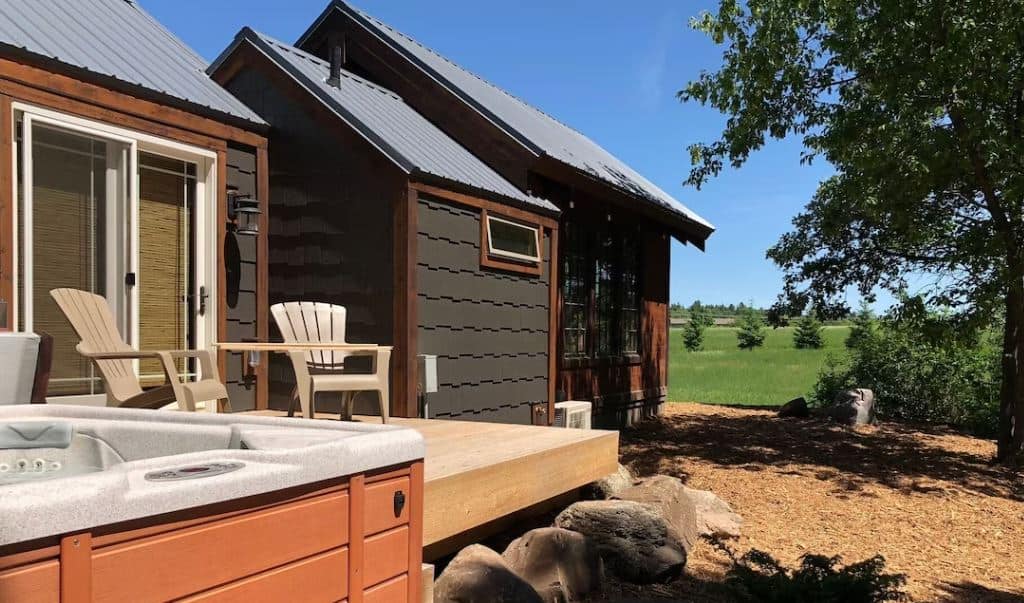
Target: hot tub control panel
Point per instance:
(25, 465)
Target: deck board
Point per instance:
(476, 473)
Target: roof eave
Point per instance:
(418, 175)
(41, 61)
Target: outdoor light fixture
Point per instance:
(243, 211)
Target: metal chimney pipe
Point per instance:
(337, 58)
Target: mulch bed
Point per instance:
(923, 497)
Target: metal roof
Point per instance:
(534, 129)
(386, 121)
(117, 39)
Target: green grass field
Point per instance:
(767, 376)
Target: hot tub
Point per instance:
(100, 504)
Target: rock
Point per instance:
(634, 540)
(668, 496)
(797, 407)
(479, 575)
(714, 516)
(607, 486)
(853, 407)
(562, 566)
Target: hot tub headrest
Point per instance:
(36, 434)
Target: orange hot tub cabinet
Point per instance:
(356, 539)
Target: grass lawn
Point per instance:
(767, 376)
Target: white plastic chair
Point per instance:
(323, 370)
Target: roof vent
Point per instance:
(337, 58)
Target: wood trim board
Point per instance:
(479, 203)
(8, 238)
(404, 398)
(77, 89)
(263, 272)
(496, 263)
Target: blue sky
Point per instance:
(608, 69)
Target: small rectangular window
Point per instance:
(514, 241)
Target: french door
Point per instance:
(121, 215)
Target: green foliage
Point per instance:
(693, 331)
(918, 107)
(758, 577)
(922, 368)
(862, 326)
(751, 330)
(807, 335)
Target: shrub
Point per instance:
(862, 326)
(922, 369)
(756, 576)
(693, 332)
(751, 332)
(807, 335)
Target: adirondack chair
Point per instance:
(322, 370)
(91, 318)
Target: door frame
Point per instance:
(207, 178)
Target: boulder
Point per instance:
(714, 516)
(479, 575)
(853, 407)
(562, 566)
(668, 496)
(635, 541)
(607, 486)
(797, 407)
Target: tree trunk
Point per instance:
(1011, 403)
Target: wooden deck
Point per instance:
(479, 473)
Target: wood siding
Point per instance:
(332, 198)
(622, 390)
(489, 328)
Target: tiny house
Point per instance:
(375, 208)
(457, 222)
(126, 171)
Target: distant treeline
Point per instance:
(724, 314)
(714, 310)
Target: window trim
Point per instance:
(509, 261)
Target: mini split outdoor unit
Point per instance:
(574, 414)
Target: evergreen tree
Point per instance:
(693, 332)
(751, 333)
(862, 328)
(807, 335)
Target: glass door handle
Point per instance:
(202, 300)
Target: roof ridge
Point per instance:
(518, 99)
(318, 61)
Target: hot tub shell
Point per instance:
(311, 510)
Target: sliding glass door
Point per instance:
(167, 193)
(72, 196)
(119, 217)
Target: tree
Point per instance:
(751, 330)
(807, 335)
(693, 332)
(919, 106)
(862, 327)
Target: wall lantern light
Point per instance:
(243, 212)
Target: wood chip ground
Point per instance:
(925, 498)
